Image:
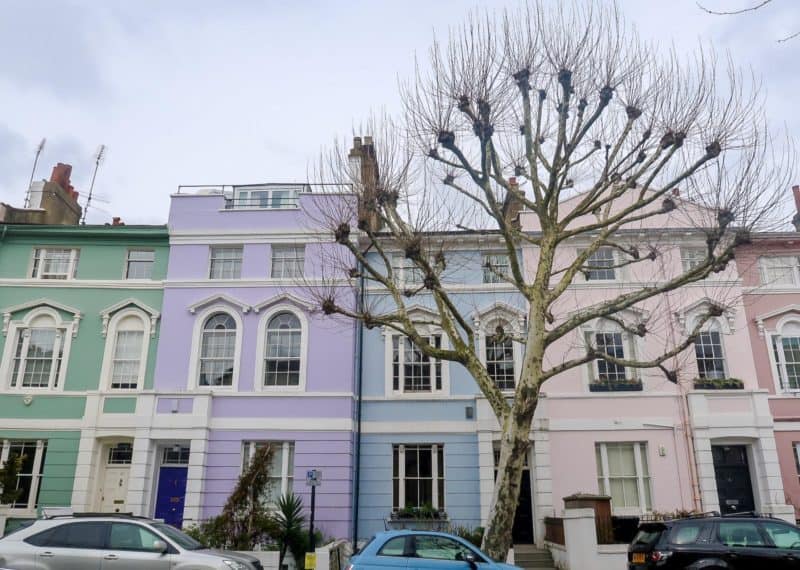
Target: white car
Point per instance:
(113, 542)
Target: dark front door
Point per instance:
(522, 531)
(732, 471)
(171, 495)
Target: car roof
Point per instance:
(390, 533)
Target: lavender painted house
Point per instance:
(245, 360)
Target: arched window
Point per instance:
(500, 357)
(283, 351)
(217, 350)
(126, 363)
(38, 353)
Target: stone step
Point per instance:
(529, 557)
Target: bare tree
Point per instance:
(753, 8)
(564, 114)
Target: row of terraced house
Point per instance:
(141, 366)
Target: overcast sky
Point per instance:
(235, 92)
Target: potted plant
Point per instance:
(718, 384)
(424, 517)
(616, 386)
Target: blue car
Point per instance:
(422, 550)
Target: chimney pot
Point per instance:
(676, 191)
(368, 141)
(115, 221)
(512, 181)
(796, 192)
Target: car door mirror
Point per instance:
(470, 559)
(159, 546)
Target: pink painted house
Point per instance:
(770, 273)
(703, 443)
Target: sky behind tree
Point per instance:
(240, 92)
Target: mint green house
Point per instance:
(80, 308)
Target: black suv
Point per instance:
(713, 542)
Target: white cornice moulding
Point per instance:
(250, 283)
(83, 283)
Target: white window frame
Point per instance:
(110, 348)
(63, 343)
(615, 260)
(713, 326)
(128, 261)
(287, 448)
(513, 321)
(437, 502)
(297, 260)
(211, 258)
(791, 262)
(402, 268)
(197, 334)
(639, 448)
(36, 271)
(782, 328)
(242, 197)
(630, 345)
(490, 276)
(261, 351)
(37, 469)
(692, 256)
(389, 336)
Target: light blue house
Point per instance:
(426, 434)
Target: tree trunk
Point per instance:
(514, 448)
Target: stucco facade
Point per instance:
(65, 294)
(306, 413)
(771, 285)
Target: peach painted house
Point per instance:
(770, 270)
(703, 443)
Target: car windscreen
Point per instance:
(647, 535)
(180, 538)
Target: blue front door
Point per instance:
(171, 495)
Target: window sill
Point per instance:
(628, 386)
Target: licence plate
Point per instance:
(638, 558)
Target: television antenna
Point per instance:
(98, 158)
(39, 150)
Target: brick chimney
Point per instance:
(365, 165)
(512, 205)
(51, 202)
(117, 221)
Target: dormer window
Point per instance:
(269, 196)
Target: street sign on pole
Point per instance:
(313, 477)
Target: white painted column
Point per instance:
(485, 472)
(82, 492)
(541, 478)
(140, 477)
(195, 478)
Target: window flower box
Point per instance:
(618, 386)
(718, 384)
(418, 519)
